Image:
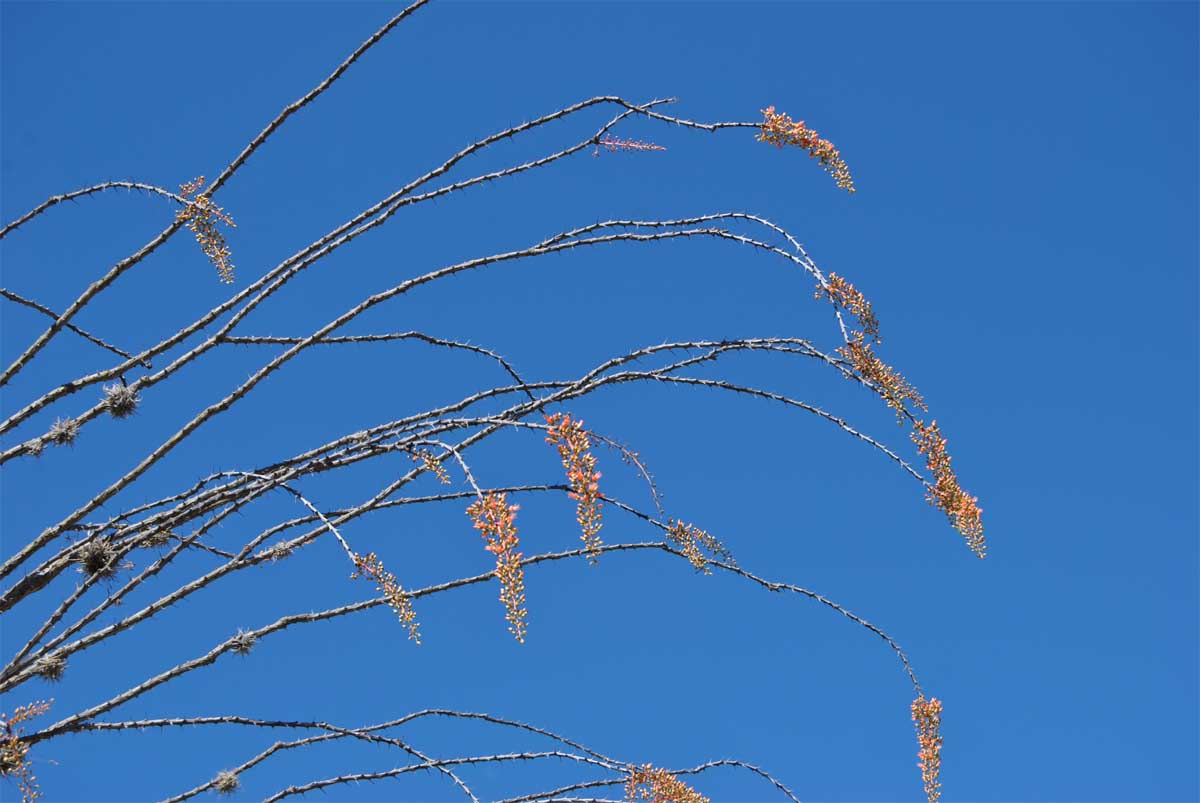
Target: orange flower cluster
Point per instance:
(14, 754)
(495, 519)
(946, 494)
(927, 714)
(779, 130)
(894, 387)
(962, 508)
(614, 144)
(694, 543)
(430, 463)
(202, 216)
(372, 568)
(846, 296)
(575, 449)
(652, 785)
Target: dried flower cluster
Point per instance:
(202, 216)
(51, 667)
(243, 641)
(63, 431)
(575, 449)
(697, 545)
(372, 568)
(98, 558)
(962, 508)
(614, 144)
(430, 463)
(158, 537)
(120, 400)
(927, 714)
(779, 130)
(226, 782)
(14, 753)
(496, 521)
(652, 785)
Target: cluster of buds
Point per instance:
(895, 388)
(697, 545)
(496, 521)
(962, 508)
(927, 714)
(371, 568)
(202, 216)
(613, 144)
(848, 297)
(945, 493)
(430, 463)
(780, 129)
(575, 449)
(14, 753)
(653, 785)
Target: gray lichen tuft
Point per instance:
(226, 782)
(120, 400)
(157, 537)
(278, 551)
(98, 559)
(63, 431)
(51, 667)
(243, 642)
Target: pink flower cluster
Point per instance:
(496, 521)
(575, 449)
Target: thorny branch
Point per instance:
(151, 536)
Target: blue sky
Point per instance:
(1025, 226)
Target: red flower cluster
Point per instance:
(651, 785)
(962, 508)
(779, 130)
(14, 754)
(202, 216)
(496, 521)
(371, 567)
(927, 714)
(614, 144)
(575, 449)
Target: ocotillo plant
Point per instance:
(92, 567)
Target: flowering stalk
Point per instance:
(14, 753)
(848, 297)
(780, 129)
(575, 449)
(895, 388)
(430, 463)
(613, 144)
(496, 521)
(946, 494)
(371, 567)
(201, 216)
(655, 785)
(962, 509)
(694, 543)
(927, 714)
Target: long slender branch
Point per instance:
(55, 200)
(99, 285)
(11, 296)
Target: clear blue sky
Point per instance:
(1026, 225)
